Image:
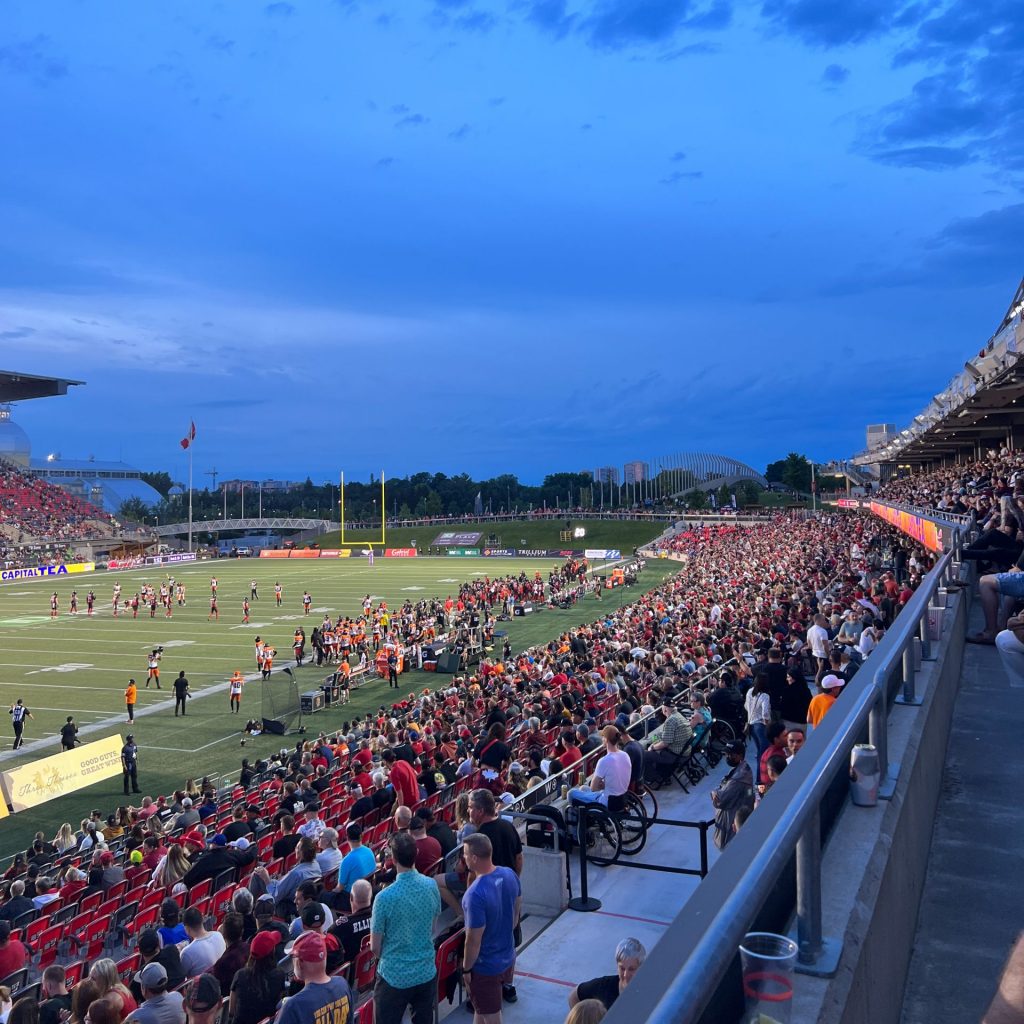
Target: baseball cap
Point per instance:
(219, 840)
(193, 837)
(241, 843)
(203, 994)
(735, 747)
(831, 682)
(313, 916)
(310, 947)
(263, 944)
(149, 942)
(152, 976)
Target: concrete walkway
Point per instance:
(972, 909)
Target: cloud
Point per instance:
(827, 23)
(926, 158)
(496, 101)
(17, 333)
(220, 43)
(835, 74)
(31, 57)
(677, 176)
(412, 121)
(691, 50)
(384, 161)
(551, 16)
(399, 108)
(616, 24)
(678, 156)
(460, 133)
(586, 126)
(476, 21)
(279, 10)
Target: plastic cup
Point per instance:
(768, 961)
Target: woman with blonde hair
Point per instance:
(587, 1011)
(463, 826)
(108, 982)
(171, 870)
(192, 790)
(65, 840)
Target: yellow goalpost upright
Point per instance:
(341, 515)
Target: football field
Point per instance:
(79, 665)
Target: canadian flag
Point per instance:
(186, 441)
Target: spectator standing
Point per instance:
(359, 862)
(736, 790)
(130, 764)
(401, 935)
(13, 954)
(181, 693)
(491, 907)
(759, 713)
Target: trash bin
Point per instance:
(768, 961)
(864, 775)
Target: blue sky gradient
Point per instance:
(501, 235)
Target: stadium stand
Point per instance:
(87, 901)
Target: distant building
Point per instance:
(636, 472)
(607, 475)
(880, 434)
(234, 486)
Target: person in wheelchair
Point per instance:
(610, 781)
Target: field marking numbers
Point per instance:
(70, 666)
(413, 588)
(252, 625)
(448, 579)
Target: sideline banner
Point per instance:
(602, 554)
(399, 552)
(305, 553)
(462, 552)
(49, 777)
(124, 563)
(39, 571)
(934, 536)
(268, 553)
(171, 558)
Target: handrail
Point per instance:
(701, 943)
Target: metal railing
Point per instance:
(700, 946)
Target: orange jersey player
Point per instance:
(214, 610)
(245, 609)
(278, 594)
(154, 669)
(53, 605)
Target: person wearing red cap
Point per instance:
(322, 997)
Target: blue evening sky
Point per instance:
(500, 235)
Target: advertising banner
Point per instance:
(170, 559)
(399, 552)
(330, 553)
(41, 571)
(126, 563)
(296, 553)
(345, 553)
(453, 539)
(848, 503)
(463, 552)
(39, 781)
(499, 552)
(934, 536)
(602, 554)
(267, 553)
(531, 553)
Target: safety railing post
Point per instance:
(584, 902)
(816, 955)
(909, 695)
(704, 848)
(925, 635)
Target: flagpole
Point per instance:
(190, 492)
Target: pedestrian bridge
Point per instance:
(284, 523)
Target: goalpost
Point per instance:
(368, 542)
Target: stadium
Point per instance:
(347, 649)
(335, 693)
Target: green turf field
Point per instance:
(80, 666)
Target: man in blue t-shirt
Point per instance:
(491, 908)
(358, 863)
(323, 999)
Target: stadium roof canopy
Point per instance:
(982, 407)
(19, 387)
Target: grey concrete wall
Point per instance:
(877, 858)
